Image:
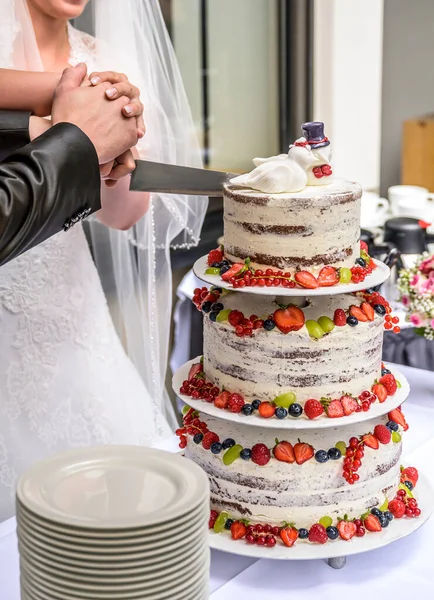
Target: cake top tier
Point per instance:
(307, 163)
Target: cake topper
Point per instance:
(306, 163)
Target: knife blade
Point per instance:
(151, 176)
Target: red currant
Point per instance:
(275, 530)
(356, 477)
(397, 329)
(388, 325)
(250, 539)
(360, 453)
(416, 512)
(267, 528)
(270, 541)
(360, 531)
(259, 528)
(260, 540)
(354, 442)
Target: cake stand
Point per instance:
(335, 552)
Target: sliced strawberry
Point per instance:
(289, 319)
(347, 529)
(372, 523)
(210, 297)
(215, 256)
(222, 400)
(288, 535)
(334, 409)
(284, 452)
(349, 404)
(235, 270)
(397, 416)
(303, 452)
(340, 318)
(389, 383)
(195, 370)
(313, 408)
(371, 441)
(380, 391)
(328, 276)
(267, 410)
(410, 474)
(238, 530)
(368, 310)
(306, 280)
(357, 312)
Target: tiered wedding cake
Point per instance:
(292, 413)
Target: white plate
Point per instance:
(376, 410)
(114, 487)
(397, 529)
(378, 276)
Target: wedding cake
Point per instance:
(294, 417)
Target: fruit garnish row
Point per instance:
(373, 521)
(285, 405)
(298, 453)
(292, 318)
(241, 275)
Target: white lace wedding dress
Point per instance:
(65, 379)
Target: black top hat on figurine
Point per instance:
(314, 134)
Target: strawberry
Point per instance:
(347, 529)
(221, 401)
(235, 270)
(368, 310)
(380, 391)
(306, 280)
(260, 454)
(397, 508)
(349, 404)
(194, 370)
(363, 246)
(372, 523)
(357, 312)
(210, 297)
(238, 530)
(340, 318)
(266, 410)
(212, 518)
(303, 452)
(289, 319)
(371, 264)
(313, 408)
(215, 256)
(328, 276)
(370, 441)
(397, 416)
(334, 409)
(389, 383)
(236, 403)
(410, 474)
(209, 438)
(284, 452)
(318, 534)
(288, 535)
(382, 433)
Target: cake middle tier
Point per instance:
(346, 360)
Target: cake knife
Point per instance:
(152, 176)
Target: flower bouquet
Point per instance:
(416, 287)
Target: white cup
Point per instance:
(374, 210)
(412, 201)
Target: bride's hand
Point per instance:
(122, 87)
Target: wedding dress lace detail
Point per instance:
(65, 379)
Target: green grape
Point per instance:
(223, 315)
(402, 486)
(326, 324)
(396, 437)
(232, 454)
(342, 447)
(212, 271)
(345, 275)
(314, 329)
(398, 384)
(385, 505)
(185, 409)
(220, 522)
(326, 521)
(285, 400)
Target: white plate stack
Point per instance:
(114, 523)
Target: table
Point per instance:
(403, 569)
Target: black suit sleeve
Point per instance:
(46, 187)
(14, 131)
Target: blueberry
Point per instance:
(392, 425)
(332, 532)
(409, 485)
(376, 511)
(352, 321)
(216, 448)
(389, 515)
(385, 372)
(361, 262)
(216, 289)
(228, 443)
(247, 409)
(198, 438)
(303, 533)
(213, 316)
(369, 291)
(224, 269)
(281, 412)
(269, 324)
(379, 309)
(225, 262)
(295, 409)
(384, 521)
(256, 404)
(246, 453)
(217, 307)
(216, 265)
(206, 307)
(334, 453)
(321, 456)
(229, 524)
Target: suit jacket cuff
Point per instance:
(14, 131)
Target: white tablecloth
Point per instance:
(403, 570)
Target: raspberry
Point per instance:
(389, 383)
(215, 256)
(397, 508)
(235, 318)
(260, 454)
(410, 474)
(318, 534)
(236, 403)
(340, 318)
(209, 439)
(382, 433)
(363, 246)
